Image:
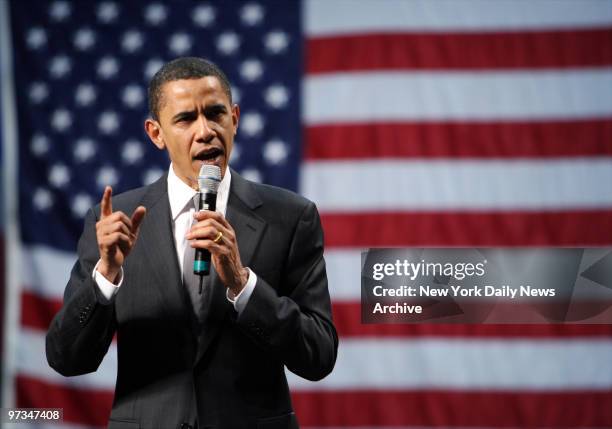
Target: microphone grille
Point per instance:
(209, 178)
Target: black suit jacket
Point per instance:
(230, 372)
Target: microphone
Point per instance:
(208, 182)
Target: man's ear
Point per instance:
(154, 131)
(235, 117)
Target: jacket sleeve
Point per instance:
(298, 327)
(81, 332)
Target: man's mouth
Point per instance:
(209, 156)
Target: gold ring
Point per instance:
(218, 237)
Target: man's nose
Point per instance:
(204, 131)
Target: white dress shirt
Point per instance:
(182, 209)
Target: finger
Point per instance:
(118, 216)
(208, 214)
(103, 225)
(210, 229)
(114, 227)
(116, 238)
(209, 245)
(106, 205)
(137, 218)
(201, 231)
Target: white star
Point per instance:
(36, 38)
(84, 150)
(38, 92)
(42, 199)
(251, 124)
(151, 175)
(59, 11)
(228, 42)
(107, 12)
(39, 145)
(81, 204)
(152, 66)
(131, 41)
(276, 96)
(179, 43)
(107, 176)
(251, 69)
(59, 175)
(155, 14)
(132, 96)
(252, 174)
(203, 15)
(61, 120)
(108, 122)
(275, 152)
(251, 14)
(276, 41)
(132, 152)
(60, 66)
(235, 154)
(108, 67)
(84, 39)
(85, 94)
(236, 94)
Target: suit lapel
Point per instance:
(249, 227)
(156, 237)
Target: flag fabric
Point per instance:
(409, 123)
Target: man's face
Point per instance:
(196, 125)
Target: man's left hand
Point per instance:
(224, 252)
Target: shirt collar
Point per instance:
(179, 193)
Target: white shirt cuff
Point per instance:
(107, 288)
(240, 301)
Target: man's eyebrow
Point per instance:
(219, 107)
(183, 114)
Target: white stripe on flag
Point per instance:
(451, 185)
(31, 361)
(328, 18)
(414, 96)
(544, 365)
(343, 273)
(45, 270)
(344, 276)
(401, 364)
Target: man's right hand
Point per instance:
(116, 234)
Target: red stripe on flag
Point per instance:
(82, 406)
(347, 319)
(383, 408)
(448, 409)
(380, 229)
(509, 50)
(460, 140)
(37, 311)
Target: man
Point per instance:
(186, 359)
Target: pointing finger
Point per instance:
(137, 218)
(106, 205)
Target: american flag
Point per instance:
(409, 123)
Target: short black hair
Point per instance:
(183, 68)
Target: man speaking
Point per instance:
(191, 358)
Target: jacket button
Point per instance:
(185, 426)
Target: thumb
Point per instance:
(137, 218)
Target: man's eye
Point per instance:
(183, 119)
(215, 113)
